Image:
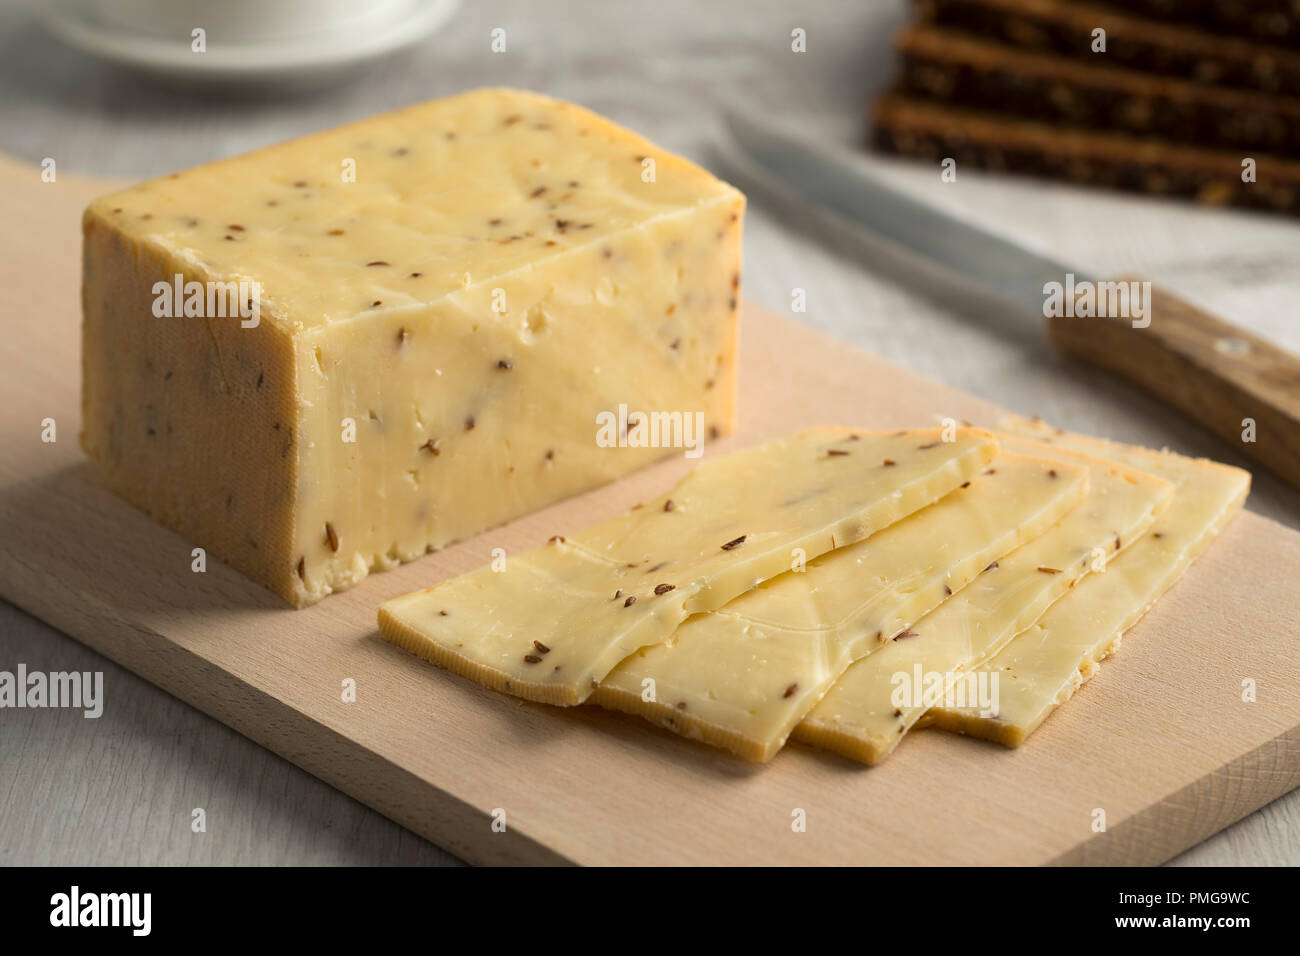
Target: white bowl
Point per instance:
(247, 42)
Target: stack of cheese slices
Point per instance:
(842, 587)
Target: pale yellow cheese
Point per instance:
(1041, 668)
(449, 298)
(743, 676)
(868, 710)
(556, 620)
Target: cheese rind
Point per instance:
(743, 676)
(438, 332)
(1064, 648)
(869, 709)
(558, 619)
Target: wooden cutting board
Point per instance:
(1161, 739)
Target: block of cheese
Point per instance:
(743, 676)
(1044, 666)
(398, 333)
(556, 620)
(868, 710)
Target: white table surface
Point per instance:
(121, 789)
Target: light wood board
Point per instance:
(1161, 739)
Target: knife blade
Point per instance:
(1220, 375)
(835, 180)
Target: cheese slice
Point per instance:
(456, 313)
(743, 676)
(868, 710)
(559, 618)
(1042, 668)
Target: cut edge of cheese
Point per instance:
(717, 717)
(490, 651)
(868, 735)
(1227, 498)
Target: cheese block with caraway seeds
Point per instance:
(743, 676)
(556, 620)
(441, 303)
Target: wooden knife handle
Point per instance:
(1214, 372)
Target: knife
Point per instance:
(1218, 374)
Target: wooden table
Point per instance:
(124, 792)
